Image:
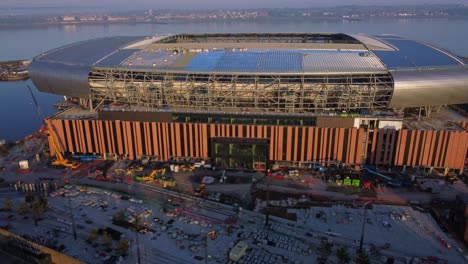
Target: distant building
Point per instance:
(68, 18)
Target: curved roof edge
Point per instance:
(65, 70)
(429, 87)
(372, 43)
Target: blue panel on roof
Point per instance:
(280, 61)
(413, 54)
(117, 58)
(205, 61)
(238, 61)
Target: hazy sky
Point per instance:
(209, 4)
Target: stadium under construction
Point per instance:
(252, 100)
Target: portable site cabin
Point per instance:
(238, 251)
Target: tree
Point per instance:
(37, 210)
(324, 251)
(343, 255)
(23, 208)
(43, 202)
(119, 216)
(362, 258)
(7, 204)
(93, 235)
(29, 198)
(4, 150)
(106, 239)
(122, 247)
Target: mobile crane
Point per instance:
(59, 160)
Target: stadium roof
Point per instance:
(422, 74)
(280, 53)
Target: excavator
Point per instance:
(147, 178)
(150, 177)
(59, 160)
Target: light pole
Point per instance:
(137, 222)
(205, 236)
(363, 226)
(72, 218)
(206, 248)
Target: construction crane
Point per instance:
(59, 160)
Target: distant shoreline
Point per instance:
(263, 19)
(54, 24)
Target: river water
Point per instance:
(19, 118)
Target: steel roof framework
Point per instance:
(261, 38)
(221, 92)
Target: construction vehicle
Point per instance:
(59, 160)
(213, 235)
(161, 171)
(166, 182)
(151, 176)
(148, 178)
(130, 171)
(135, 168)
(187, 167)
(200, 190)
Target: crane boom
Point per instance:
(60, 160)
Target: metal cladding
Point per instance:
(280, 72)
(59, 78)
(428, 88)
(65, 70)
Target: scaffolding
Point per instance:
(241, 92)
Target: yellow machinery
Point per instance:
(136, 168)
(120, 171)
(130, 171)
(148, 178)
(162, 181)
(59, 160)
(187, 167)
(213, 235)
(165, 183)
